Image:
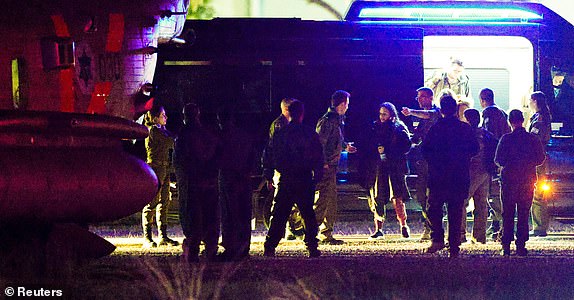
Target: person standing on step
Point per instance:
(387, 154)
(158, 145)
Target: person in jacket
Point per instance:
(427, 116)
(196, 168)
(298, 156)
(158, 145)
(481, 166)
(540, 126)
(518, 153)
(234, 187)
(494, 120)
(330, 130)
(388, 146)
(295, 222)
(448, 148)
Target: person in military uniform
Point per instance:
(295, 223)
(448, 148)
(518, 153)
(540, 126)
(428, 116)
(158, 145)
(297, 155)
(196, 169)
(495, 121)
(329, 128)
(454, 78)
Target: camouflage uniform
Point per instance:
(158, 145)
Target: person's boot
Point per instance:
(435, 247)
(314, 252)
(378, 235)
(401, 212)
(189, 255)
(505, 250)
(521, 250)
(166, 241)
(425, 236)
(148, 240)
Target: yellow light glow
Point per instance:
(545, 187)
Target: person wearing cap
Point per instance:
(330, 130)
(518, 153)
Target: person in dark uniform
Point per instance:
(447, 148)
(158, 145)
(540, 126)
(495, 121)
(234, 187)
(295, 223)
(387, 150)
(518, 153)
(428, 116)
(298, 156)
(195, 162)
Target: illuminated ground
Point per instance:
(395, 268)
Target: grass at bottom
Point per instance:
(330, 277)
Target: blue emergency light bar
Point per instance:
(413, 14)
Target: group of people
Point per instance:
(213, 184)
(454, 158)
(498, 160)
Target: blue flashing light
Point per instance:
(447, 15)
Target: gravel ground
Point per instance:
(394, 268)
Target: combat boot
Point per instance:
(505, 250)
(148, 240)
(166, 241)
(435, 247)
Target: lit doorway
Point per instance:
(501, 63)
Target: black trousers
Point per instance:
(516, 199)
(298, 190)
(236, 206)
(199, 213)
(454, 202)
